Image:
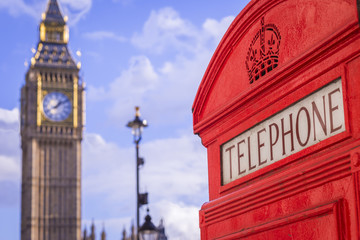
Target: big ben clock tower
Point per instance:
(52, 107)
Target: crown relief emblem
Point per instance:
(263, 53)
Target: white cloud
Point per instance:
(9, 116)
(128, 90)
(166, 29)
(78, 5)
(103, 35)
(9, 145)
(74, 9)
(179, 81)
(139, 78)
(10, 158)
(217, 29)
(18, 7)
(173, 83)
(9, 169)
(104, 165)
(174, 174)
(175, 171)
(108, 185)
(177, 165)
(181, 221)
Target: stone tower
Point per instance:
(52, 120)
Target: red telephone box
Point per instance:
(278, 110)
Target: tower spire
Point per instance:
(52, 79)
(52, 50)
(53, 26)
(103, 233)
(53, 14)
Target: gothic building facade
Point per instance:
(92, 235)
(132, 235)
(52, 120)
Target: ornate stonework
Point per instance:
(52, 106)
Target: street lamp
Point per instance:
(137, 126)
(148, 231)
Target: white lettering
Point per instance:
(316, 117)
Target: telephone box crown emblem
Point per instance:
(263, 53)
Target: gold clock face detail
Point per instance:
(56, 106)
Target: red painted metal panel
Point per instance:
(275, 54)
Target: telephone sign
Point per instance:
(278, 111)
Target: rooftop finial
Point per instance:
(53, 14)
(137, 111)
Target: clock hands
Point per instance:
(58, 104)
(54, 108)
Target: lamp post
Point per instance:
(137, 126)
(148, 231)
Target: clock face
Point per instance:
(57, 106)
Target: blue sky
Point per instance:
(147, 53)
